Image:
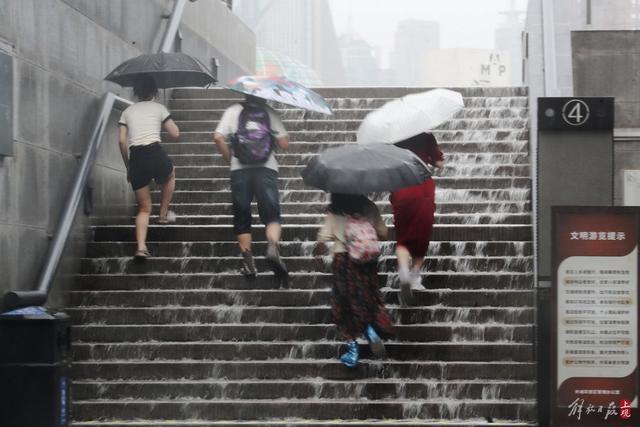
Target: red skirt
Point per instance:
(413, 215)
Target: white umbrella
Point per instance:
(408, 116)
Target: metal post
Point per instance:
(172, 26)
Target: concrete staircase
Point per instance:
(185, 340)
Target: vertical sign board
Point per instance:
(574, 161)
(6, 105)
(594, 357)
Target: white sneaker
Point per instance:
(416, 281)
(170, 218)
(404, 277)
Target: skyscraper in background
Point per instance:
(413, 40)
(360, 61)
(508, 38)
(300, 29)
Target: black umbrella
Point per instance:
(167, 69)
(362, 169)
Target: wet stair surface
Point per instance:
(185, 340)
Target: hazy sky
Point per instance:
(463, 23)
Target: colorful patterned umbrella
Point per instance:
(283, 90)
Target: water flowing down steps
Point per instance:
(185, 340)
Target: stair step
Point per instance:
(224, 409)
(308, 264)
(304, 196)
(304, 315)
(297, 248)
(255, 350)
(302, 147)
(350, 136)
(306, 388)
(297, 183)
(298, 147)
(358, 92)
(351, 103)
(291, 113)
(353, 125)
(297, 280)
(293, 332)
(454, 160)
(306, 423)
(292, 298)
(315, 208)
(292, 369)
(484, 232)
(517, 218)
(472, 169)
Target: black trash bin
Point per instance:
(35, 361)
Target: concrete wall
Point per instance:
(605, 64)
(61, 51)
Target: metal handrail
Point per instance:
(173, 26)
(14, 299)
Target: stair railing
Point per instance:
(14, 299)
(38, 296)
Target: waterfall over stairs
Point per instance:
(184, 340)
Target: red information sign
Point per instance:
(594, 359)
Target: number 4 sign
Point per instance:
(575, 112)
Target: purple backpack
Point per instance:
(253, 141)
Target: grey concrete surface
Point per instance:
(605, 63)
(61, 51)
(627, 156)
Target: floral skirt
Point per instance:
(356, 299)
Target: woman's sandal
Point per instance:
(142, 254)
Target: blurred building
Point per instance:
(300, 29)
(508, 38)
(413, 40)
(465, 67)
(360, 61)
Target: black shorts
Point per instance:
(148, 162)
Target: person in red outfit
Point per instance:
(413, 215)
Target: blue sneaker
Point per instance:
(350, 358)
(377, 347)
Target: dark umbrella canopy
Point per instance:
(362, 169)
(167, 69)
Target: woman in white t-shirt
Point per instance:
(140, 127)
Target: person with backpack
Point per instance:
(354, 225)
(139, 137)
(413, 216)
(254, 129)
